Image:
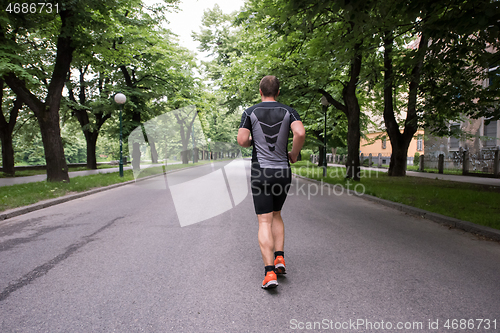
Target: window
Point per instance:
(454, 141)
(384, 143)
(490, 130)
(420, 143)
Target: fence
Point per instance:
(368, 160)
(486, 162)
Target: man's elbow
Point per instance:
(241, 141)
(301, 134)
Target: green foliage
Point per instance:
(245, 50)
(306, 154)
(416, 159)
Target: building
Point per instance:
(376, 143)
(480, 138)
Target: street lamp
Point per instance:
(120, 99)
(325, 104)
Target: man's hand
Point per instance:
(292, 158)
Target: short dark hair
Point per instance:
(270, 85)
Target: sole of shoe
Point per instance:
(270, 284)
(280, 269)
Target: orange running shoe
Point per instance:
(279, 265)
(271, 281)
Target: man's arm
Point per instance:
(244, 137)
(299, 137)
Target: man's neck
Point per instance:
(268, 99)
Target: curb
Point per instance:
(452, 222)
(52, 202)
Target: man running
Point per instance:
(269, 124)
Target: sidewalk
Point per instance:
(72, 174)
(40, 178)
(454, 178)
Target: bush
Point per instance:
(366, 161)
(306, 154)
(416, 159)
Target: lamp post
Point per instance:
(120, 99)
(325, 104)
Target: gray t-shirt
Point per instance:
(269, 123)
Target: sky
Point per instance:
(188, 18)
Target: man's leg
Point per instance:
(266, 239)
(278, 229)
(266, 243)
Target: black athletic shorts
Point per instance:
(269, 188)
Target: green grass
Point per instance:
(445, 171)
(479, 204)
(26, 173)
(25, 194)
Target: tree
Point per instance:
(464, 41)
(442, 73)
(151, 67)
(15, 75)
(91, 113)
(6, 130)
(62, 33)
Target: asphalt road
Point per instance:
(119, 261)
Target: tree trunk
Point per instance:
(57, 169)
(353, 113)
(154, 153)
(185, 157)
(152, 146)
(196, 153)
(397, 166)
(7, 153)
(321, 154)
(91, 139)
(353, 140)
(136, 156)
(6, 129)
(185, 132)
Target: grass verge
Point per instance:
(26, 173)
(475, 203)
(26, 194)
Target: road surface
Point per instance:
(118, 261)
